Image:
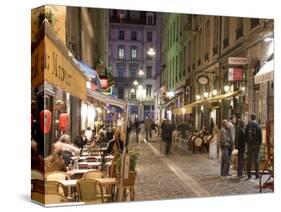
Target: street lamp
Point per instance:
(132, 90)
(206, 94)
(226, 88)
(197, 97)
(170, 94)
(141, 73)
(151, 52)
(214, 92)
(135, 82)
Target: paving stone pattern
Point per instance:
(155, 180)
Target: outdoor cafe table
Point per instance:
(79, 171)
(91, 164)
(92, 157)
(103, 181)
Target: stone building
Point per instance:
(131, 35)
(202, 51)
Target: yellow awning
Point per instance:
(52, 62)
(187, 109)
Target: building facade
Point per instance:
(200, 52)
(86, 38)
(131, 35)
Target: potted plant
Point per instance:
(130, 181)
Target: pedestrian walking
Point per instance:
(240, 146)
(147, 123)
(142, 131)
(137, 124)
(168, 133)
(224, 146)
(213, 151)
(254, 141)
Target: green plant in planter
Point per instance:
(262, 153)
(133, 161)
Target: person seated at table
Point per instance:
(81, 139)
(116, 144)
(37, 161)
(68, 150)
(55, 162)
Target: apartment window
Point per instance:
(121, 35)
(226, 32)
(149, 19)
(148, 90)
(216, 35)
(189, 57)
(133, 35)
(239, 29)
(133, 72)
(174, 31)
(207, 40)
(178, 28)
(121, 53)
(133, 52)
(149, 72)
(183, 60)
(120, 93)
(120, 72)
(149, 36)
(194, 51)
(180, 65)
(200, 40)
(254, 22)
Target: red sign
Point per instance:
(104, 83)
(235, 74)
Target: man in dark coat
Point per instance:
(254, 140)
(167, 133)
(240, 141)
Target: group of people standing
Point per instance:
(243, 138)
(144, 130)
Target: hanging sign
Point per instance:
(238, 60)
(235, 74)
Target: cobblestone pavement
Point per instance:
(183, 175)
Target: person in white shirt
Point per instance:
(89, 134)
(63, 145)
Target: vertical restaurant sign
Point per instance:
(50, 64)
(235, 74)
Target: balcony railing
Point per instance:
(225, 42)
(239, 33)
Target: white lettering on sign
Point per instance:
(238, 60)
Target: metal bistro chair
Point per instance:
(198, 143)
(59, 175)
(88, 192)
(47, 192)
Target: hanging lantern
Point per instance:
(45, 117)
(63, 121)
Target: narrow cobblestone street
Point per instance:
(183, 175)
